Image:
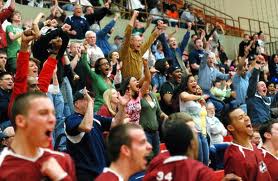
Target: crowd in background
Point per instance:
(95, 85)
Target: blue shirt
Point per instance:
(87, 149)
(78, 24)
(240, 85)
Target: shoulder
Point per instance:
(110, 175)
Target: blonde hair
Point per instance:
(107, 95)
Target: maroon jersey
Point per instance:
(271, 162)
(158, 160)
(110, 175)
(179, 168)
(245, 163)
(14, 167)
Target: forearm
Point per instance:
(86, 124)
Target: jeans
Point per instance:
(68, 97)
(59, 137)
(216, 155)
(153, 139)
(203, 154)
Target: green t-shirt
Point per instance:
(13, 45)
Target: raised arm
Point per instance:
(86, 124)
(186, 37)
(146, 80)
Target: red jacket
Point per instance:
(4, 14)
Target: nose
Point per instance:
(52, 119)
(149, 147)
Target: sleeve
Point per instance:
(126, 43)
(148, 43)
(87, 69)
(206, 174)
(222, 76)
(105, 122)
(20, 81)
(46, 74)
(103, 111)
(67, 21)
(65, 38)
(9, 28)
(101, 13)
(166, 48)
(203, 62)
(192, 58)
(233, 164)
(185, 40)
(253, 83)
(72, 124)
(166, 89)
(106, 29)
(5, 13)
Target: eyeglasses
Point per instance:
(105, 63)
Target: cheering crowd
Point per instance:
(73, 106)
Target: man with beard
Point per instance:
(173, 80)
(241, 157)
(258, 103)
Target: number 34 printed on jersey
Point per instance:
(161, 176)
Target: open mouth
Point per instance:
(249, 126)
(48, 133)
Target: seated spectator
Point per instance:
(216, 132)
(13, 34)
(273, 68)
(159, 53)
(221, 90)
(256, 138)
(79, 24)
(4, 15)
(188, 14)
(156, 12)
(7, 137)
(173, 14)
(110, 106)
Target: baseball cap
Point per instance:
(79, 95)
(172, 69)
(118, 37)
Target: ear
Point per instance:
(267, 135)
(125, 150)
(20, 121)
(230, 128)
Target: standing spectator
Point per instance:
(5, 14)
(123, 139)
(6, 86)
(85, 141)
(269, 134)
(110, 106)
(136, 5)
(3, 60)
(94, 52)
(273, 69)
(244, 43)
(174, 77)
(159, 78)
(117, 43)
(188, 15)
(173, 14)
(258, 103)
(208, 73)
(13, 34)
(132, 50)
(174, 52)
(34, 120)
(191, 45)
(79, 24)
(196, 55)
(241, 157)
(57, 13)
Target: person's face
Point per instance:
(240, 123)
(6, 82)
(137, 24)
(115, 56)
(261, 88)
(218, 85)
(246, 38)
(16, 17)
(136, 43)
(3, 60)
(91, 39)
(104, 66)
(274, 135)
(32, 84)
(177, 75)
(199, 90)
(271, 88)
(39, 122)
(243, 70)
(140, 149)
(199, 44)
(192, 85)
(211, 110)
(74, 48)
(118, 41)
(167, 65)
(256, 138)
(33, 69)
(114, 97)
(276, 59)
(90, 10)
(54, 23)
(173, 42)
(134, 84)
(77, 10)
(211, 61)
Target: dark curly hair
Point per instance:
(98, 65)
